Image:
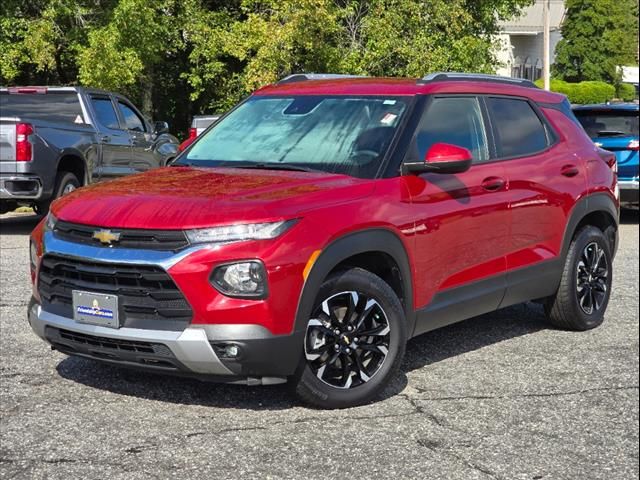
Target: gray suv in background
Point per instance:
(56, 139)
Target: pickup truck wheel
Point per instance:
(66, 182)
(354, 342)
(585, 287)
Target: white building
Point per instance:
(521, 53)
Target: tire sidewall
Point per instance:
(66, 178)
(584, 238)
(369, 284)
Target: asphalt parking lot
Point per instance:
(500, 396)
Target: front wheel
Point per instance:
(585, 287)
(354, 341)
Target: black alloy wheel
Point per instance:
(347, 340)
(592, 278)
(354, 341)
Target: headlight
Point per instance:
(237, 233)
(241, 279)
(50, 224)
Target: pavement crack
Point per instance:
(438, 448)
(529, 395)
(239, 429)
(141, 448)
(59, 460)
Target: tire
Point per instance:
(360, 368)
(585, 289)
(65, 183)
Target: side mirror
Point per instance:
(442, 158)
(160, 127)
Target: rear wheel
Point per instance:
(583, 295)
(354, 341)
(66, 182)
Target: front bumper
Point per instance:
(263, 359)
(20, 187)
(629, 192)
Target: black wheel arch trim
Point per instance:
(74, 152)
(597, 202)
(362, 241)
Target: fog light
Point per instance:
(241, 279)
(227, 350)
(231, 351)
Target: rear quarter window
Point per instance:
(518, 129)
(52, 106)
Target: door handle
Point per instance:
(569, 170)
(493, 184)
(105, 139)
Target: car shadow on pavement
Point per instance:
(18, 224)
(421, 351)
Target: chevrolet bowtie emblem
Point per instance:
(106, 236)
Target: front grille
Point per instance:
(129, 238)
(147, 296)
(149, 354)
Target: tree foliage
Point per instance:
(176, 58)
(598, 37)
(584, 92)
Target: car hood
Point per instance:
(186, 197)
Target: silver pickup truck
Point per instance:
(56, 139)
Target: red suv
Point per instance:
(322, 223)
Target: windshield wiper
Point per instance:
(274, 166)
(612, 133)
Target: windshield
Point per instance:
(347, 135)
(609, 123)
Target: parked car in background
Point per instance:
(198, 125)
(309, 233)
(56, 139)
(614, 127)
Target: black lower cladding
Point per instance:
(147, 296)
(134, 353)
(260, 352)
(629, 196)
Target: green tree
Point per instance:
(598, 37)
(176, 58)
(40, 39)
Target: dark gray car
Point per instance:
(56, 139)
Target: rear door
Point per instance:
(545, 179)
(114, 139)
(462, 220)
(143, 153)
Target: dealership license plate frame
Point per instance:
(99, 309)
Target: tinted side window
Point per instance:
(105, 112)
(519, 131)
(131, 118)
(454, 120)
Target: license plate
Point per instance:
(95, 308)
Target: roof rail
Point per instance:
(477, 77)
(302, 77)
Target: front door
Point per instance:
(462, 227)
(115, 143)
(142, 140)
